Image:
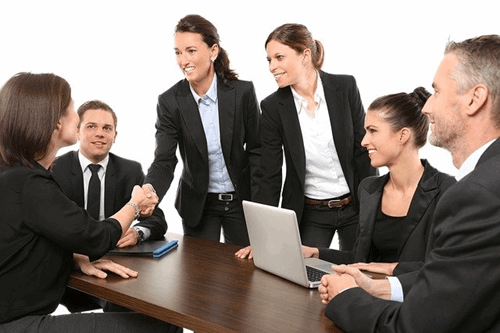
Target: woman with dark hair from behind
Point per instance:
(44, 234)
(316, 119)
(214, 119)
(397, 208)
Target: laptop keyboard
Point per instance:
(314, 274)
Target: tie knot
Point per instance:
(94, 167)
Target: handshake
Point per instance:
(145, 198)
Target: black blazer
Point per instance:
(41, 229)
(418, 221)
(121, 177)
(458, 288)
(281, 130)
(179, 124)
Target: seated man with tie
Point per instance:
(100, 181)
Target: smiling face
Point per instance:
(381, 141)
(96, 134)
(195, 59)
(285, 64)
(444, 107)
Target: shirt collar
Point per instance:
(471, 161)
(84, 162)
(211, 93)
(319, 95)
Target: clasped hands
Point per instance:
(146, 198)
(350, 276)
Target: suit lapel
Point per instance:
(77, 179)
(227, 104)
(292, 132)
(190, 114)
(369, 199)
(109, 188)
(426, 191)
(338, 120)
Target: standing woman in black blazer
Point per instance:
(45, 234)
(214, 119)
(317, 119)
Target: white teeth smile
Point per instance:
(277, 76)
(188, 69)
(371, 151)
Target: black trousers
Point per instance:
(319, 223)
(88, 323)
(217, 215)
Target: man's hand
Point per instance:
(128, 239)
(386, 268)
(380, 288)
(146, 204)
(98, 267)
(245, 252)
(333, 284)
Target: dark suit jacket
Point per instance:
(121, 177)
(179, 124)
(281, 130)
(41, 229)
(458, 288)
(418, 221)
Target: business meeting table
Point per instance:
(203, 287)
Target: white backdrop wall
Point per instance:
(122, 51)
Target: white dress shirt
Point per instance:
(324, 177)
(84, 164)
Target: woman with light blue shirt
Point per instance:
(214, 120)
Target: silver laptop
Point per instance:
(277, 249)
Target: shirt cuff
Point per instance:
(146, 231)
(396, 289)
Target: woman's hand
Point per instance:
(97, 268)
(310, 252)
(146, 201)
(245, 252)
(386, 268)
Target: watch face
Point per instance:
(140, 234)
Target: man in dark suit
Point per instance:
(96, 134)
(118, 176)
(458, 288)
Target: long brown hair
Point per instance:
(30, 107)
(299, 38)
(200, 25)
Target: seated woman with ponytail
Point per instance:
(396, 209)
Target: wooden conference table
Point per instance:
(203, 287)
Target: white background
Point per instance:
(122, 51)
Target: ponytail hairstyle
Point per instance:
(199, 25)
(299, 38)
(405, 110)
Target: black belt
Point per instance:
(332, 203)
(221, 196)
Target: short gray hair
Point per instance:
(479, 62)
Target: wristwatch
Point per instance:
(140, 235)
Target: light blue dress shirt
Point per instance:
(208, 105)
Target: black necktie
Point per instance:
(94, 194)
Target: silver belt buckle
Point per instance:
(332, 202)
(225, 197)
